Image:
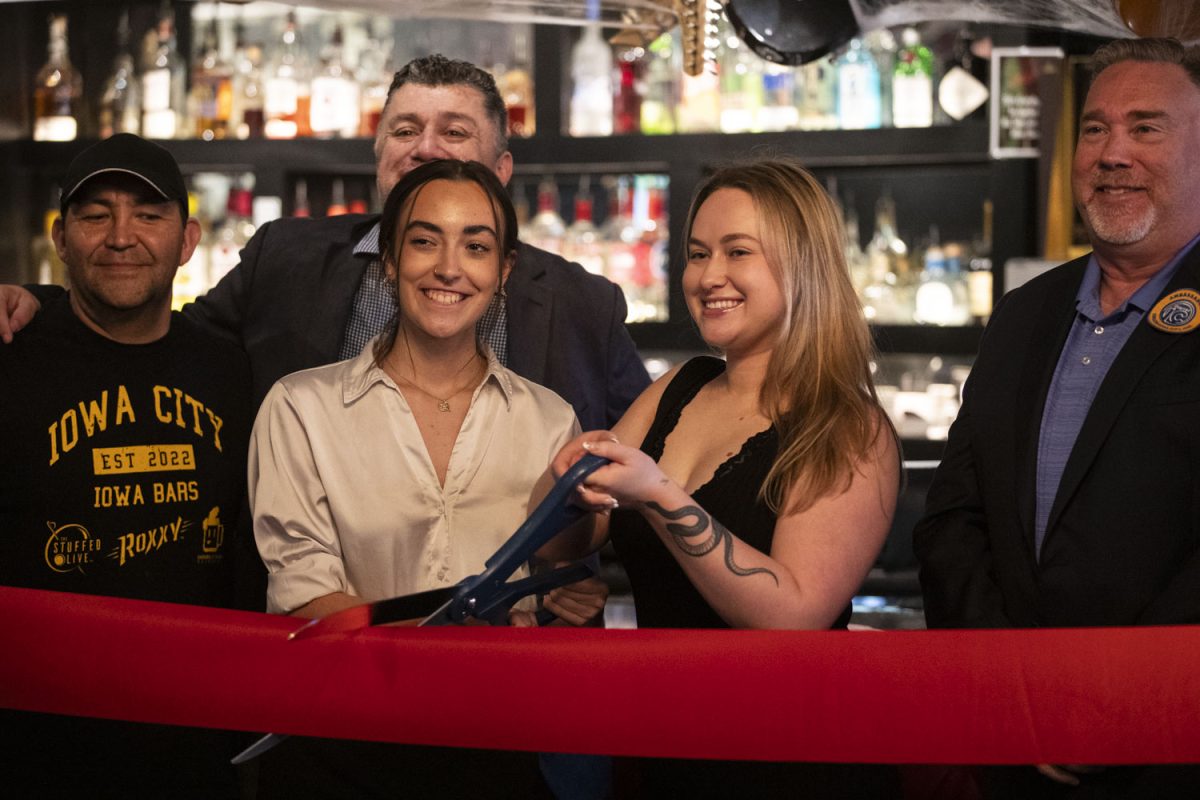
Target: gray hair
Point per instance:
(1163, 50)
(437, 70)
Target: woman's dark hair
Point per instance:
(404, 195)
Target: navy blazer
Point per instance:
(288, 301)
(1122, 544)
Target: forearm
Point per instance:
(746, 587)
(326, 605)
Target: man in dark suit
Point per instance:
(1069, 492)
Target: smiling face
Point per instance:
(425, 123)
(450, 260)
(122, 245)
(1137, 162)
(733, 294)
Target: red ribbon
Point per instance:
(1116, 695)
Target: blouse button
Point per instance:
(1087, 360)
(1099, 329)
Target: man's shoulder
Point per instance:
(535, 264)
(304, 230)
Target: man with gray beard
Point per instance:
(1069, 491)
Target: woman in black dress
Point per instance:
(754, 492)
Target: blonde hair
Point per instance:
(817, 391)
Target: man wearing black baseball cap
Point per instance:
(125, 430)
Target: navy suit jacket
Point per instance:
(288, 301)
(1122, 544)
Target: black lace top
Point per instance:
(662, 593)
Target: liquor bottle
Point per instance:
(856, 258)
(337, 199)
(912, 83)
(233, 234)
(287, 96)
(163, 78)
(817, 88)
(882, 45)
(335, 101)
(859, 102)
(300, 205)
(591, 111)
(546, 229)
(662, 82)
(627, 102)
(620, 233)
(886, 298)
(740, 75)
(57, 90)
(581, 241)
(374, 76)
(934, 297)
(210, 102)
(778, 112)
(647, 297)
(979, 271)
(516, 86)
(249, 118)
(121, 102)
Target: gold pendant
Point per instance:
(443, 405)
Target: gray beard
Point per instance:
(1120, 230)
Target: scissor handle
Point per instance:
(555, 512)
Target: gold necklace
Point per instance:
(443, 402)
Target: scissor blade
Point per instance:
(439, 617)
(258, 748)
(381, 612)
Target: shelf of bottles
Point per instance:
(271, 71)
(264, 70)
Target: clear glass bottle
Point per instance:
(591, 110)
(121, 101)
(248, 116)
(547, 228)
(374, 76)
(912, 83)
(620, 233)
(57, 90)
(778, 112)
(740, 74)
(581, 241)
(287, 95)
(163, 79)
(234, 232)
(647, 293)
(817, 89)
(859, 101)
(335, 105)
(887, 296)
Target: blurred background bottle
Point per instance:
(57, 90)
(120, 103)
(912, 83)
(163, 80)
(591, 108)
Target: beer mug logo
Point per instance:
(214, 532)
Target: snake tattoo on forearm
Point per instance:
(683, 534)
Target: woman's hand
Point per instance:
(630, 479)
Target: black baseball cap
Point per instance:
(133, 155)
